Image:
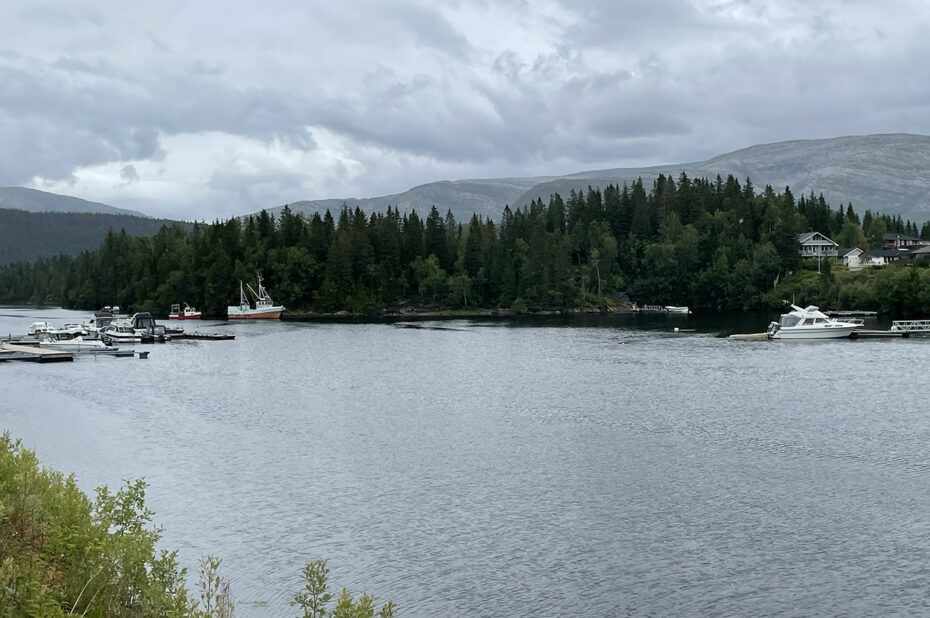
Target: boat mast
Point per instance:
(262, 295)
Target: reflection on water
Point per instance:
(513, 469)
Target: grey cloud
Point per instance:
(642, 82)
(118, 116)
(129, 174)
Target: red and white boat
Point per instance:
(189, 313)
(264, 308)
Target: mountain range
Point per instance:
(32, 200)
(886, 173)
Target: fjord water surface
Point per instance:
(500, 469)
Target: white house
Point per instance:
(852, 258)
(816, 245)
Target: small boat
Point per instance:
(146, 328)
(810, 323)
(120, 331)
(95, 325)
(109, 312)
(264, 308)
(188, 313)
(72, 338)
(38, 329)
(674, 309)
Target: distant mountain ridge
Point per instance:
(29, 236)
(33, 200)
(887, 173)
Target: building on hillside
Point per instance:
(903, 241)
(852, 258)
(920, 253)
(816, 245)
(880, 257)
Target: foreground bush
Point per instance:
(62, 554)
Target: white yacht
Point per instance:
(120, 331)
(810, 323)
(72, 338)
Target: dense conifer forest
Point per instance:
(714, 245)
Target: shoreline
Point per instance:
(450, 314)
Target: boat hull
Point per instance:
(269, 313)
(184, 317)
(75, 345)
(831, 332)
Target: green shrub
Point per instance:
(63, 554)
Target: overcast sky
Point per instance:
(213, 109)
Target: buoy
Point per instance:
(620, 342)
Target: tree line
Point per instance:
(714, 245)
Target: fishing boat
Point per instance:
(810, 323)
(264, 308)
(188, 313)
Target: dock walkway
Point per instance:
(11, 351)
(911, 326)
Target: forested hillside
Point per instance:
(714, 245)
(32, 235)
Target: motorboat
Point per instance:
(72, 338)
(120, 331)
(95, 325)
(148, 331)
(810, 323)
(264, 308)
(674, 309)
(38, 329)
(188, 313)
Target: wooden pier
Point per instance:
(11, 351)
(877, 334)
(859, 333)
(207, 336)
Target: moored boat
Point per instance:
(72, 338)
(810, 323)
(188, 313)
(37, 330)
(120, 331)
(674, 309)
(264, 308)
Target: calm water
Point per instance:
(496, 469)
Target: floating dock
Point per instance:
(877, 334)
(911, 326)
(856, 334)
(206, 336)
(750, 337)
(852, 314)
(11, 351)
